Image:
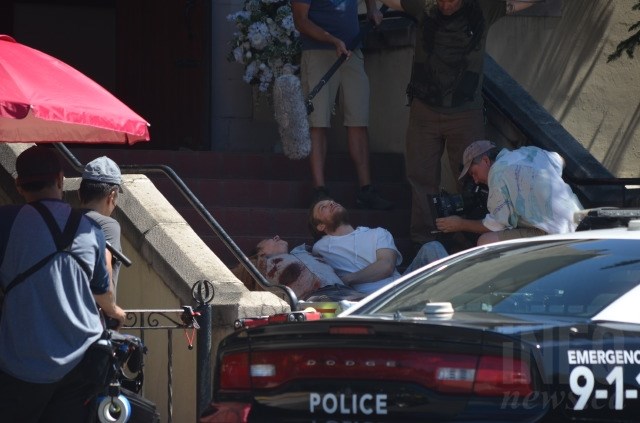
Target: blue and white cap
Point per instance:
(103, 169)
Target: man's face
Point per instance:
(273, 246)
(480, 171)
(330, 215)
(449, 7)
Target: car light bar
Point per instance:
(294, 316)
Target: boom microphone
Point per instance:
(291, 114)
(291, 109)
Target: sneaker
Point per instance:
(368, 198)
(320, 193)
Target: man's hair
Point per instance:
(37, 168)
(92, 190)
(312, 222)
(35, 186)
(256, 250)
(338, 218)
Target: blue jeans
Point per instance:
(430, 251)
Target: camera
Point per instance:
(472, 203)
(446, 204)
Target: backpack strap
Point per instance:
(63, 240)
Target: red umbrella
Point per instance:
(45, 100)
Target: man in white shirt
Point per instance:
(527, 195)
(364, 258)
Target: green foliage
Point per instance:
(628, 45)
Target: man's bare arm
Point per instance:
(393, 4)
(514, 6)
(458, 224)
(304, 25)
(373, 14)
(382, 268)
(107, 303)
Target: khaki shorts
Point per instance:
(350, 78)
(519, 233)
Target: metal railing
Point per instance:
(202, 211)
(629, 190)
(186, 318)
(202, 292)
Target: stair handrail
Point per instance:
(540, 128)
(202, 211)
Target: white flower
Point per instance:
(287, 24)
(240, 15)
(265, 41)
(250, 72)
(238, 55)
(258, 40)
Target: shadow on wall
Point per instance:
(620, 150)
(562, 63)
(550, 72)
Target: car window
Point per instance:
(561, 278)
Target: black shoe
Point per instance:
(320, 193)
(368, 198)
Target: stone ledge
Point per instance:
(165, 241)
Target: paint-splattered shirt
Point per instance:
(526, 190)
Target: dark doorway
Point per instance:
(153, 55)
(163, 66)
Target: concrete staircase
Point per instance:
(258, 195)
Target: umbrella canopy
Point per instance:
(45, 100)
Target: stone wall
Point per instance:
(560, 60)
(168, 259)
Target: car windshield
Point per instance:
(570, 278)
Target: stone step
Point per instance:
(238, 165)
(268, 222)
(271, 193)
(254, 196)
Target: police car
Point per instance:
(535, 329)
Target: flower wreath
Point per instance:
(266, 41)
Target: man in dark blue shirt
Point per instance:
(50, 318)
(327, 28)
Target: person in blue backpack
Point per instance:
(52, 273)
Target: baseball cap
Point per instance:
(474, 150)
(103, 169)
(37, 163)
